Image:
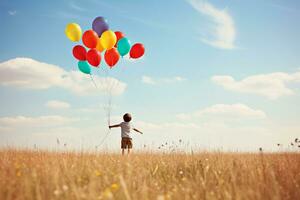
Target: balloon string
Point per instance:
(103, 139)
(93, 81)
(108, 115)
(107, 108)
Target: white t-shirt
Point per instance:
(126, 128)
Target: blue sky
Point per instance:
(217, 74)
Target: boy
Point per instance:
(126, 127)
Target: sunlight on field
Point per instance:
(65, 175)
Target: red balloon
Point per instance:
(111, 57)
(93, 57)
(119, 36)
(79, 52)
(90, 39)
(137, 50)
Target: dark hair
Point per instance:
(127, 117)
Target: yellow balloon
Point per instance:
(99, 46)
(73, 32)
(108, 39)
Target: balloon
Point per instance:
(79, 52)
(93, 57)
(100, 25)
(123, 46)
(137, 50)
(108, 39)
(73, 32)
(119, 36)
(90, 39)
(99, 46)
(111, 57)
(84, 67)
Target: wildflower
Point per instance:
(114, 186)
(19, 173)
(97, 173)
(56, 192)
(180, 172)
(65, 188)
(107, 194)
(160, 197)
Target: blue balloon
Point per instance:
(84, 67)
(123, 46)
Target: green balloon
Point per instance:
(123, 46)
(84, 67)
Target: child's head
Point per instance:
(127, 117)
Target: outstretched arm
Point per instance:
(138, 131)
(114, 126)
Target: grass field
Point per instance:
(66, 175)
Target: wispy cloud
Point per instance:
(272, 86)
(34, 122)
(224, 31)
(148, 80)
(27, 73)
(56, 104)
(225, 111)
(76, 7)
(12, 12)
(157, 81)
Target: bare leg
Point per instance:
(128, 151)
(123, 150)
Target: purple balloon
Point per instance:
(100, 25)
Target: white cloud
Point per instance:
(224, 32)
(76, 7)
(57, 104)
(31, 74)
(148, 80)
(272, 86)
(225, 111)
(155, 81)
(34, 122)
(12, 12)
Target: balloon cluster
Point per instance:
(101, 39)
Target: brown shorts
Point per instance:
(126, 143)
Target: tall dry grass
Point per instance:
(66, 175)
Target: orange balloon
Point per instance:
(111, 57)
(90, 39)
(99, 46)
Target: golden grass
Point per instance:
(66, 175)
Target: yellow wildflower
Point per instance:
(107, 194)
(19, 173)
(114, 187)
(97, 173)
